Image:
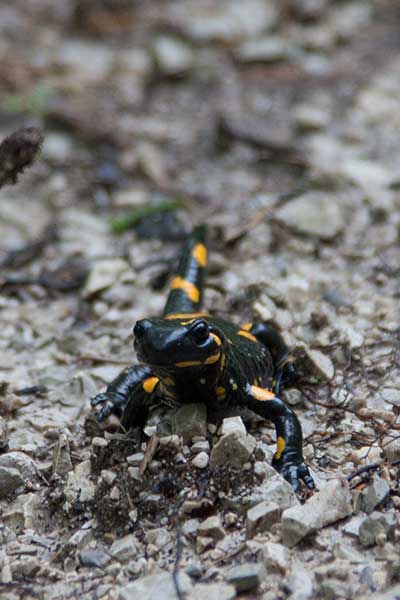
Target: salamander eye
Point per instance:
(200, 332)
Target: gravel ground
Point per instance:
(277, 124)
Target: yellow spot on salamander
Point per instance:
(262, 394)
(221, 392)
(188, 363)
(199, 253)
(280, 446)
(174, 316)
(149, 384)
(247, 335)
(247, 326)
(216, 338)
(190, 289)
(195, 363)
(212, 359)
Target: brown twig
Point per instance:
(370, 467)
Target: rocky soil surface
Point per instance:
(277, 123)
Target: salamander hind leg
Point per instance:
(268, 334)
(288, 460)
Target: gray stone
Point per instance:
(329, 505)
(160, 586)
(314, 214)
(203, 543)
(393, 593)
(391, 395)
(213, 591)
(200, 446)
(310, 118)
(348, 553)
(352, 527)
(79, 539)
(78, 486)
(62, 463)
(195, 570)
(25, 568)
(391, 448)
(266, 49)
(88, 61)
(10, 481)
(212, 527)
(26, 512)
(173, 57)
(22, 463)
(322, 364)
(57, 147)
(372, 526)
(94, 557)
(233, 449)
(246, 577)
(190, 528)
(135, 459)
(377, 491)
(3, 434)
(261, 516)
(189, 421)
(224, 21)
(274, 489)
(233, 425)
(124, 549)
(104, 274)
(300, 582)
(294, 397)
(275, 557)
(158, 537)
(308, 9)
(201, 460)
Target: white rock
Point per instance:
(225, 20)
(103, 275)
(124, 549)
(391, 395)
(22, 463)
(213, 591)
(315, 214)
(233, 449)
(212, 527)
(266, 49)
(233, 425)
(173, 57)
(261, 516)
(78, 486)
(10, 481)
(275, 557)
(329, 505)
(160, 586)
(376, 492)
(201, 460)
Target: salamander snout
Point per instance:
(141, 327)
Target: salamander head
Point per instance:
(174, 345)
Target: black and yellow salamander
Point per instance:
(189, 356)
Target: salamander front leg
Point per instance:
(268, 335)
(288, 460)
(127, 396)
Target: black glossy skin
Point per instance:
(189, 356)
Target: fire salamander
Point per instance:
(189, 356)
